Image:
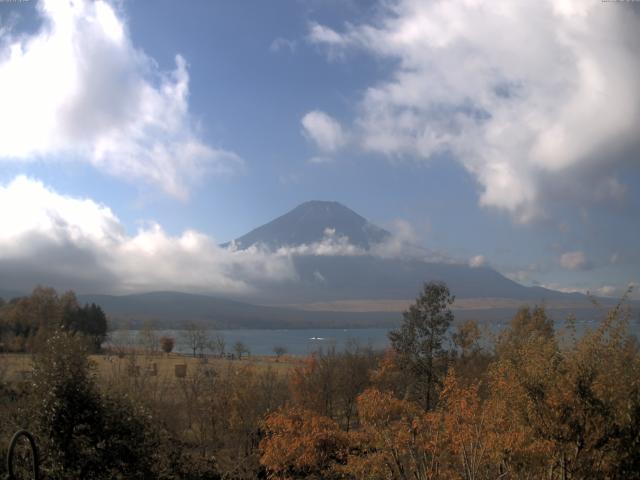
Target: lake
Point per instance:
(306, 341)
(296, 341)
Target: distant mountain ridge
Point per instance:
(173, 309)
(308, 223)
(333, 279)
(9, 294)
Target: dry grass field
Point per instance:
(16, 367)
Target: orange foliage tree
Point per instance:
(298, 443)
(547, 405)
(578, 404)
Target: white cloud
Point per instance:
(477, 261)
(563, 288)
(50, 238)
(78, 89)
(606, 291)
(610, 291)
(574, 261)
(54, 239)
(324, 131)
(28, 207)
(520, 276)
(618, 291)
(526, 274)
(330, 245)
(331, 40)
(76, 243)
(321, 34)
(538, 100)
(402, 242)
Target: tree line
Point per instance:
(442, 402)
(26, 322)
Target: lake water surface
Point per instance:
(297, 342)
(306, 341)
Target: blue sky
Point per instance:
(472, 125)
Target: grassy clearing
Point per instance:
(17, 367)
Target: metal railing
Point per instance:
(11, 454)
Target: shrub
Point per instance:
(167, 344)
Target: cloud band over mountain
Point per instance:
(75, 243)
(50, 238)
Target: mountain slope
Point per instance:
(342, 277)
(9, 294)
(308, 222)
(331, 278)
(171, 309)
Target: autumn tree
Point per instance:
(389, 376)
(471, 360)
(89, 320)
(466, 337)
(148, 338)
(397, 440)
(222, 412)
(329, 382)
(302, 444)
(314, 383)
(579, 402)
(306, 391)
(217, 345)
(86, 434)
(195, 336)
(525, 326)
(419, 342)
(465, 430)
(279, 351)
(355, 364)
(240, 348)
(31, 319)
(167, 344)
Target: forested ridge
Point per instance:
(444, 401)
